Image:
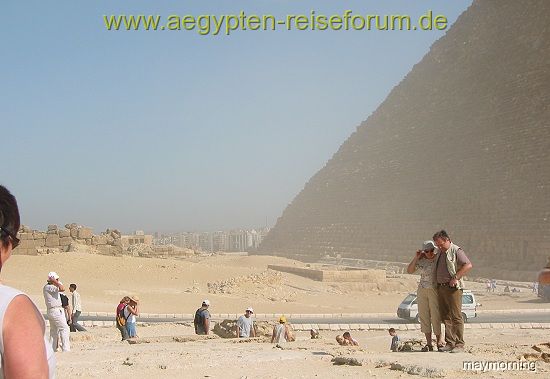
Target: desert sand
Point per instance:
(179, 286)
(171, 351)
(232, 283)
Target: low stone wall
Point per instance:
(77, 238)
(55, 239)
(371, 276)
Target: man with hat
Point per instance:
(202, 319)
(428, 306)
(56, 313)
(245, 325)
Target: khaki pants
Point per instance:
(450, 307)
(428, 310)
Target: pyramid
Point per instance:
(462, 143)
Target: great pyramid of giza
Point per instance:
(462, 143)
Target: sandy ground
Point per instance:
(178, 286)
(171, 351)
(233, 283)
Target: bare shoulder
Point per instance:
(22, 305)
(23, 334)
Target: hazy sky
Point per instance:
(168, 130)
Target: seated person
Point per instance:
(281, 332)
(350, 340)
(314, 334)
(395, 341)
(346, 340)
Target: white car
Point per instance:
(408, 309)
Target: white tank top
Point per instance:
(280, 330)
(7, 294)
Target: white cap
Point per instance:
(205, 302)
(428, 245)
(53, 274)
(249, 309)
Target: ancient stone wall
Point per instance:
(462, 143)
(323, 275)
(55, 239)
(75, 237)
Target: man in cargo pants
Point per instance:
(452, 264)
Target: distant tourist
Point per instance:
(395, 340)
(121, 318)
(488, 286)
(314, 333)
(452, 265)
(423, 262)
(77, 309)
(281, 331)
(346, 340)
(535, 287)
(507, 288)
(493, 285)
(131, 311)
(67, 311)
(24, 352)
(202, 319)
(245, 324)
(349, 339)
(66, 307)
(59, 329)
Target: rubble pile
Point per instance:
(228, 286)
(542, 353)
(228, 328)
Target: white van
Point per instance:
(408, 309)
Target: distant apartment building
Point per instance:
(232, 241)
(220, 242)
(139, 237)
(238, 240)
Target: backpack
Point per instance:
(198, 322)
(120, 318)
(64, 300)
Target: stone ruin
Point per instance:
(78, 238)
(227, 328)
(55, 239)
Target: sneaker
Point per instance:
(427, 348)
(457, 349)
(445, 349)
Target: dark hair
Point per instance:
(391, 330)
(441, 234)
(346, 334)
(9, 215)
(72, 285)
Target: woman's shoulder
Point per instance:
(9, 290)
(7, 294)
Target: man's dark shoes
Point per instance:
(427, 348)
(445, 349)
